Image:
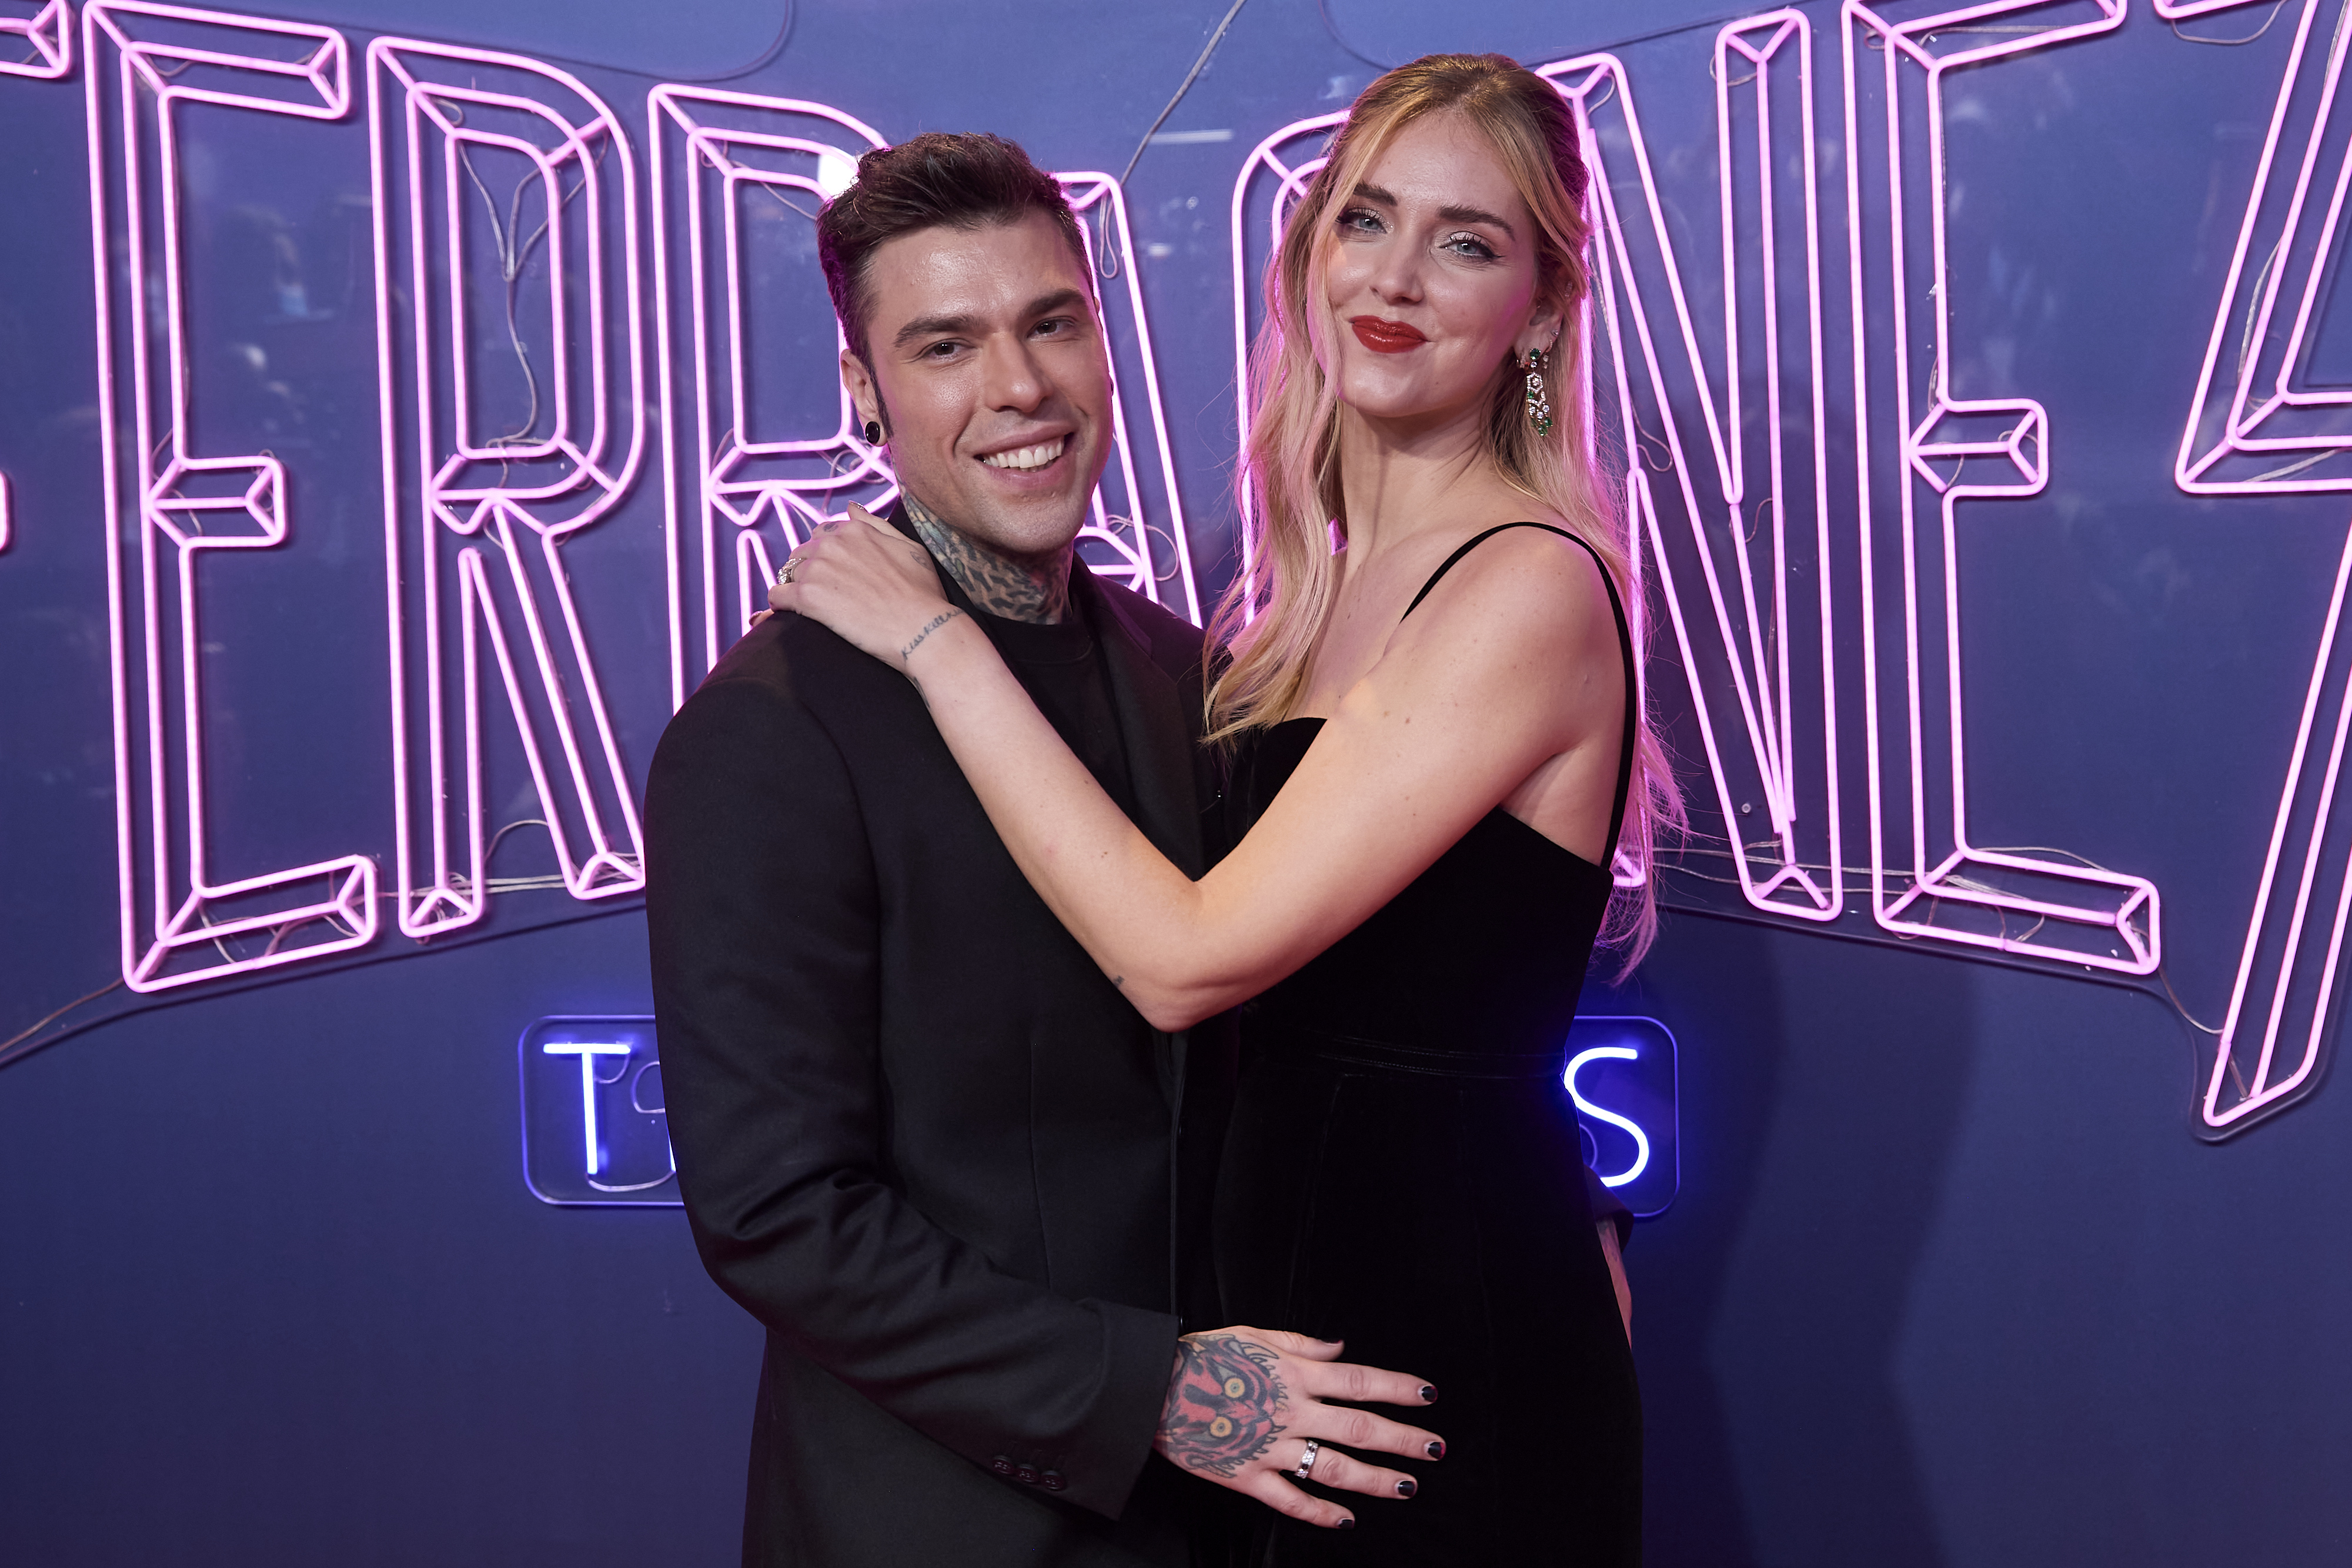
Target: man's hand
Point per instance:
(1244, 1403)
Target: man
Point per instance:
(920, 1137)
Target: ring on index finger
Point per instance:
(784, 573)
(1306, 1471)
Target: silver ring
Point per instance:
(1307, 1462)
(784, 572)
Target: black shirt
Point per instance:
(1062, 669)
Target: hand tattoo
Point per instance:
(1018, 587)
(1222, 1404)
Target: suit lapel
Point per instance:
(1161, 761)
(1160, 769)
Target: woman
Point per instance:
(1437, 752)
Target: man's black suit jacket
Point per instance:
(920, 1137)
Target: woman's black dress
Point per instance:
(1403, 1173)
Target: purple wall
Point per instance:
(1960, 1273)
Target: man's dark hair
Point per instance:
(962, 180)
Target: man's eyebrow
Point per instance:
(935, 327)
(1059, 299)
(970, 325)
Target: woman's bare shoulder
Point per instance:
(1509, 658)
(1525, 578)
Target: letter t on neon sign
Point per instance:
(587, 1053)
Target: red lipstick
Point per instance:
(1384, 337)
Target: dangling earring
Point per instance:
(873, 433)
(1538, 405)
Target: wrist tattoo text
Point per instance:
(1222, 1405)
(941, 619)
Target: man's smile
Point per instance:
(1028, 459)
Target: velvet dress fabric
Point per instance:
(1403, 1173)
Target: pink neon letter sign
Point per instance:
(734, 176)
(1788, 859)
(1277, 158)
(49, 33)
(481, 158)
(1123, 543)
(2257, 427)
(170, 510)
(2008, 901)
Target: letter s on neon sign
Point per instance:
(1641, 1139)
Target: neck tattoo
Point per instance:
(1015, 587)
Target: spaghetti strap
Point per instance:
(1624, 648)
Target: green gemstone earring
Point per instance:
(1538, 405)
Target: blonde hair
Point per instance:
(1272, 614)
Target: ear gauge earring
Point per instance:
(1538, 405)
(873, 433)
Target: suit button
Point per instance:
(1026, 1475)
(1051, 1481)
(1001, 1464)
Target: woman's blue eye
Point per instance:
(1359, 220)
(1473, 245)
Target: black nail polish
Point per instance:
(1406, 1488)
(1429, 1394)
(1347, 1523)
(1437, 1448)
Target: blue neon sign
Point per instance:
(1623, 1074)
(596, 1129)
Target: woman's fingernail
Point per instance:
(1437, 1448)
(1347, 1523)
(1429, 1394)
(1405, 1487)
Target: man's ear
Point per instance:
(865, 392)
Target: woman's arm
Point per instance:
(1476, 690)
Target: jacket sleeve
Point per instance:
(763, 907)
